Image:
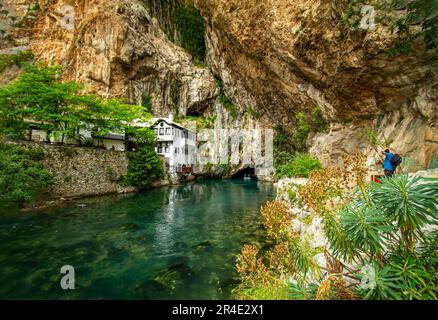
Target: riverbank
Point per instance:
(82, 172)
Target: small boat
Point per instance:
(247, 177)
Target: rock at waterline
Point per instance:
(228, 284)
(205, 245)
(152, 289)
(181, 269)
(174, 274)
(129, 227)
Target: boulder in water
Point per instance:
(203, 245)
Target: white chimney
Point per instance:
(171, 117)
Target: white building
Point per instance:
(177, 144)
(111, 141)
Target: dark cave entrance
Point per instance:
(249, 172)
(194, 114)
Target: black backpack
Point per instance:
(396, 160)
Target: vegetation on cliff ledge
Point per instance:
(8, 60)
(403, 18)
(300, 165)
(190, 26)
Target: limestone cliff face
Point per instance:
(287, 56)
(277, 57)
(117, 49)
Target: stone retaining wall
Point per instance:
(83, 172)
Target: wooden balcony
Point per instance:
(184, 170)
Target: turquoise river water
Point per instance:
(169, 243)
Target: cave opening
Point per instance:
(248, 172)
(196, 114)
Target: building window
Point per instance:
(161, 132)
(176, 150)
(173, 131)
(160, 149)
(156, 131)
(167, 131)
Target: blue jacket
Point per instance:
(387, 165)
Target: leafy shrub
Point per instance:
(318, 122)
(257, 282)
(283, 146)
(146, 103)
(225, 100)
(286, 143)
(213, 171)
(142, 136)
(229, 105)
(282, 139)
(292, 194)
(7, 60)
(302, 132)
(68, 152)
(376, 237)
(88, 142)
(201, 122)
(301, 165)
(145, 167)
(22, 177)
(386, 225)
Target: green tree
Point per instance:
(145, 166)
(59, 107)
(22, 176)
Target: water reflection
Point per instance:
(167, 243)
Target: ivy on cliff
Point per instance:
(191, 29)
(422, 13)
